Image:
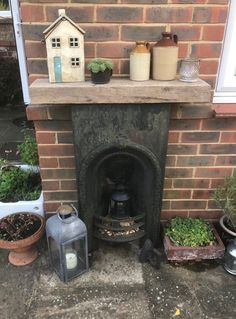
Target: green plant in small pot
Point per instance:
(225, 197)
(101, 70)
(191, 239)
(22, 222)
(20, 185)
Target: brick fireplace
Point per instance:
(84, 130)
(201, 143)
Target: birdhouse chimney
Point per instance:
(61, 12)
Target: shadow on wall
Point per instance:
(10, 83)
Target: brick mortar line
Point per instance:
(58, 168)
(67, 191)
(215, 159)
(61, 144)
(195, 167)
(39, 131)
(56, 157)
(154, 24)
(60, 201)
(194, 130)
(141, 5)
(196, 143)
(58, 180)
(187, 189)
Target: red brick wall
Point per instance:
(112, 26)
(201, 150)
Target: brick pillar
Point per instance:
(56, 154)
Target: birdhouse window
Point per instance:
(75, 62)
(56, 42)
(74, 42)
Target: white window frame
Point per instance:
(15, 15)
(225, 91)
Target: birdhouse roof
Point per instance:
(61, 18)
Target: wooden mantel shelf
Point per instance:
(119, 91)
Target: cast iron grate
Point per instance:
(114, 230)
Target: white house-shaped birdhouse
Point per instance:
(65, 50)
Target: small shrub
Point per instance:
(225, 197)
(100, 65)
(29, 150)
(193, 232)
(16, 184)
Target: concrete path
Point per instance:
(117, 287)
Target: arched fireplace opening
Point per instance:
(120, 194)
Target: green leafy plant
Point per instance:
(29, 150)
(225, 197)
(100, 65)
(17, 184)
(4, 4)
(193, 232)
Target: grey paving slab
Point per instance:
(117, 286)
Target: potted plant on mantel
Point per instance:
(191, 239)
(21, 206)
(101, 70)
(225, 197)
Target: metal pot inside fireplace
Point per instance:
(119, 207)
(120, 224)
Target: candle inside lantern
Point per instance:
(71, 260)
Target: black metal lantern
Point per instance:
(120, 203)
(67, 243)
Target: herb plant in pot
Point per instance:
(191, 239)
(21, 225)
(225, 197)
(20, 185)
(101, 70)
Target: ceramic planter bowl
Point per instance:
(223, 224)
(24, 251)
(31, 206)
(183, 253)
(101, 77)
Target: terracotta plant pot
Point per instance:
(182, 253)
(101, 77)
(24, 251)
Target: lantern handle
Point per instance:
(76, 210)
(75, 213)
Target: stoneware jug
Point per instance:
(140, 62)
(165, 58)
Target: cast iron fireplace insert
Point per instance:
(120, 146)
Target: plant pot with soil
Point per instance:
(188, 238)
(225, 197)
(101, 70)
(19, 233)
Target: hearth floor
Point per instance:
(117, 286)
